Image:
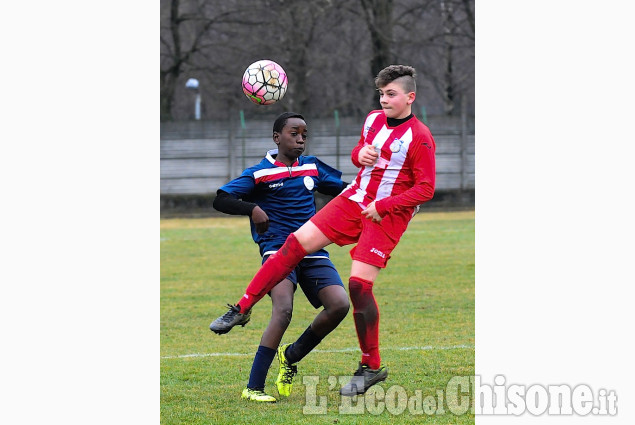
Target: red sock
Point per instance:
(273, 271)
(366, 315)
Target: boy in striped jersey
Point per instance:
(396, 157)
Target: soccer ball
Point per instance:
(264, 82)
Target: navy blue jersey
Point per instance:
(285, 194)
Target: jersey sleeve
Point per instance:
(241, 186)
(330, 179)
(229, 204)
(422, 160)
(355, 153)
(233, 197)
(372, 115)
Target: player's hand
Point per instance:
(370, 212)
(367, 156)
(260, 219)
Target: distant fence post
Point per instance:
(242, 135)
(337, 138)
(424, 115)
(463, 144)
(231, 148)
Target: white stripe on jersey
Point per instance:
(358, 196)
(394, 167)
(278, 170)
(381, 137)
(378, 142)
(369, 122)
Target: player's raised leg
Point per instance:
(306, 240)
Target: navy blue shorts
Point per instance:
(313, 274)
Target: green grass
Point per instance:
(425, 296)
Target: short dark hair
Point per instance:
(282, 119)
(404, 73)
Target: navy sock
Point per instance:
(303, 346)
(260, 367)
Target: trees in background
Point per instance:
(331, 50)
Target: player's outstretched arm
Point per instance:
(230, 204)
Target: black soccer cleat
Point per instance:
(363, 379)
(227, 321)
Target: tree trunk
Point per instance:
(378, 14)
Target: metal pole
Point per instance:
(242, 136)
(192, 84)
(197, 107)
(463, 144)
(424, 116)
(337, 139)
(230, 148)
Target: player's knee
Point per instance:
(341, 310)
(282, 315)
(360, 290)
(338, 307)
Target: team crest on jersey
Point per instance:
(395, 146)
(309, 183)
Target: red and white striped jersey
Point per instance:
(404, 175)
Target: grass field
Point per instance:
(426, 301)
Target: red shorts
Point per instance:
(342, 222)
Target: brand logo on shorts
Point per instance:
(378, 252)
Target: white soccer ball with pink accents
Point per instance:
(264, 82)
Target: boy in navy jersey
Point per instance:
(277, 195)
(395, 154)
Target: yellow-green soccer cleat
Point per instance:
(286, 374)
(257, 395)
